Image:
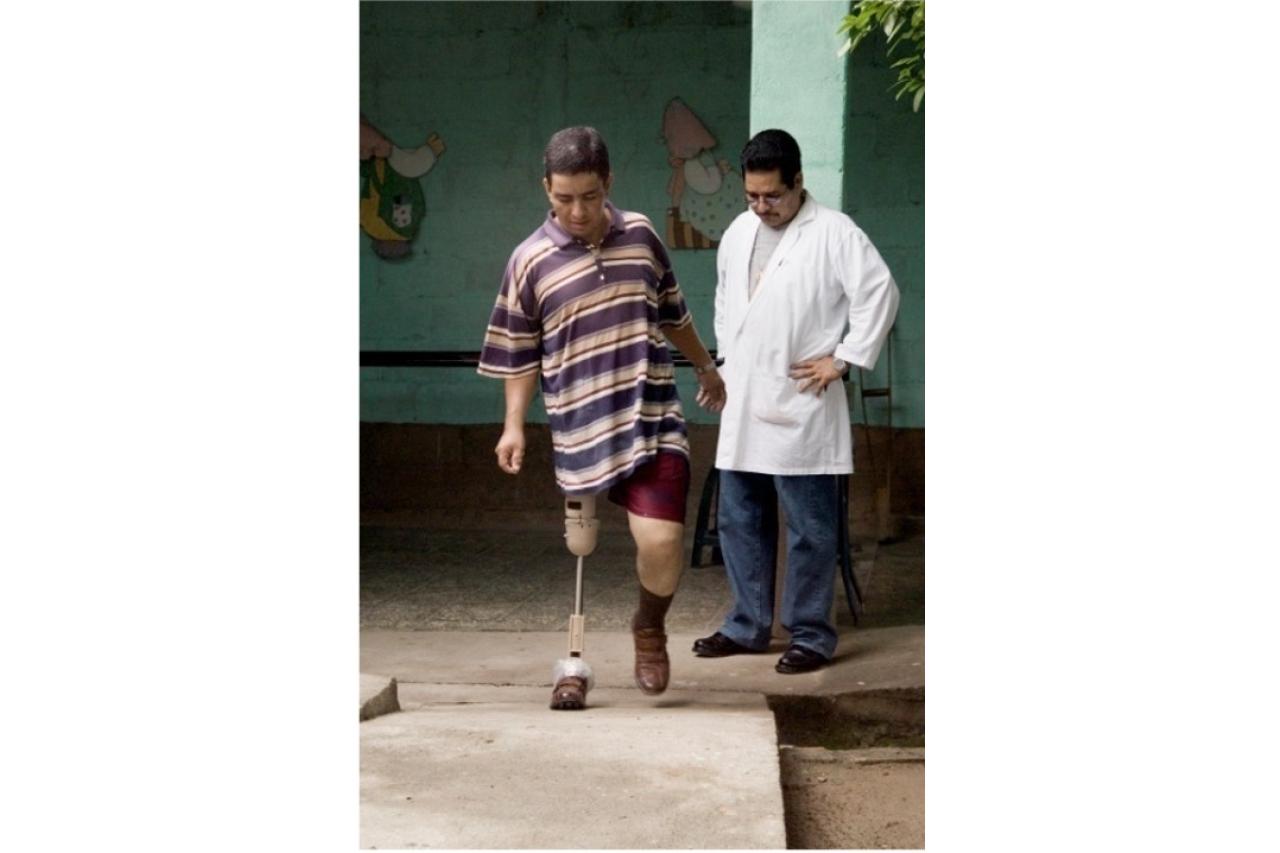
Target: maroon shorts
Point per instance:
(657, 489)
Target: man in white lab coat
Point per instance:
(801, 296)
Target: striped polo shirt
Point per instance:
(591, 320)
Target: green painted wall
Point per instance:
(884, 193)
(495, 80)
(798, 85)
(863, 152)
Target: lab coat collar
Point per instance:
(807, 213)
(808, 210)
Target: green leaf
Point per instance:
(901, 21)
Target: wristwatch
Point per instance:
(841, 365)
(706, 368)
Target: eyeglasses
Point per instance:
(770, 200)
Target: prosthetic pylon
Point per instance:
(572, 675)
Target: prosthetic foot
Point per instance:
(572, 675)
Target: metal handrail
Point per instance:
(452, 358)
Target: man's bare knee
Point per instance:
(659, 547)
(657, 538)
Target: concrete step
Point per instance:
(475, 758)
(495, 768)
(378, 696)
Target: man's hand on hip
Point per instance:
(815, 373)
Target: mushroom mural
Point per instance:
(391, 200)
(706, 194)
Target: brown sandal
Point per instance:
(569, 694)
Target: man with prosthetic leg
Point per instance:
(587, 304)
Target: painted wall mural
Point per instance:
(392, 203)
(706, 193)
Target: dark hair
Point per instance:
(772, 149)
(574, 150)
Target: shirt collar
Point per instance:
(563, 239)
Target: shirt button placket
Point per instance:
(599, 264)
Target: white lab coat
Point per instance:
(825, 291)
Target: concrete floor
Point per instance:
(418, 577)
(469, 619)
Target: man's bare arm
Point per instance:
(519, 392)
(710, 386)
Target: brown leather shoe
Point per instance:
(653, 667)
(569, 694)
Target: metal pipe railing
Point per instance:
(450, 358)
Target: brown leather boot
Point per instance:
(653, 667)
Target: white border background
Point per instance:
(180, 459)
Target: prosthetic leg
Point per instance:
(572, 675)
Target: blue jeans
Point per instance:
(748, 529)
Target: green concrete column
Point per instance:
(798, 85)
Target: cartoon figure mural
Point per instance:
(391, 199)
(706, 194)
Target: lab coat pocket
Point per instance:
(775, 400)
